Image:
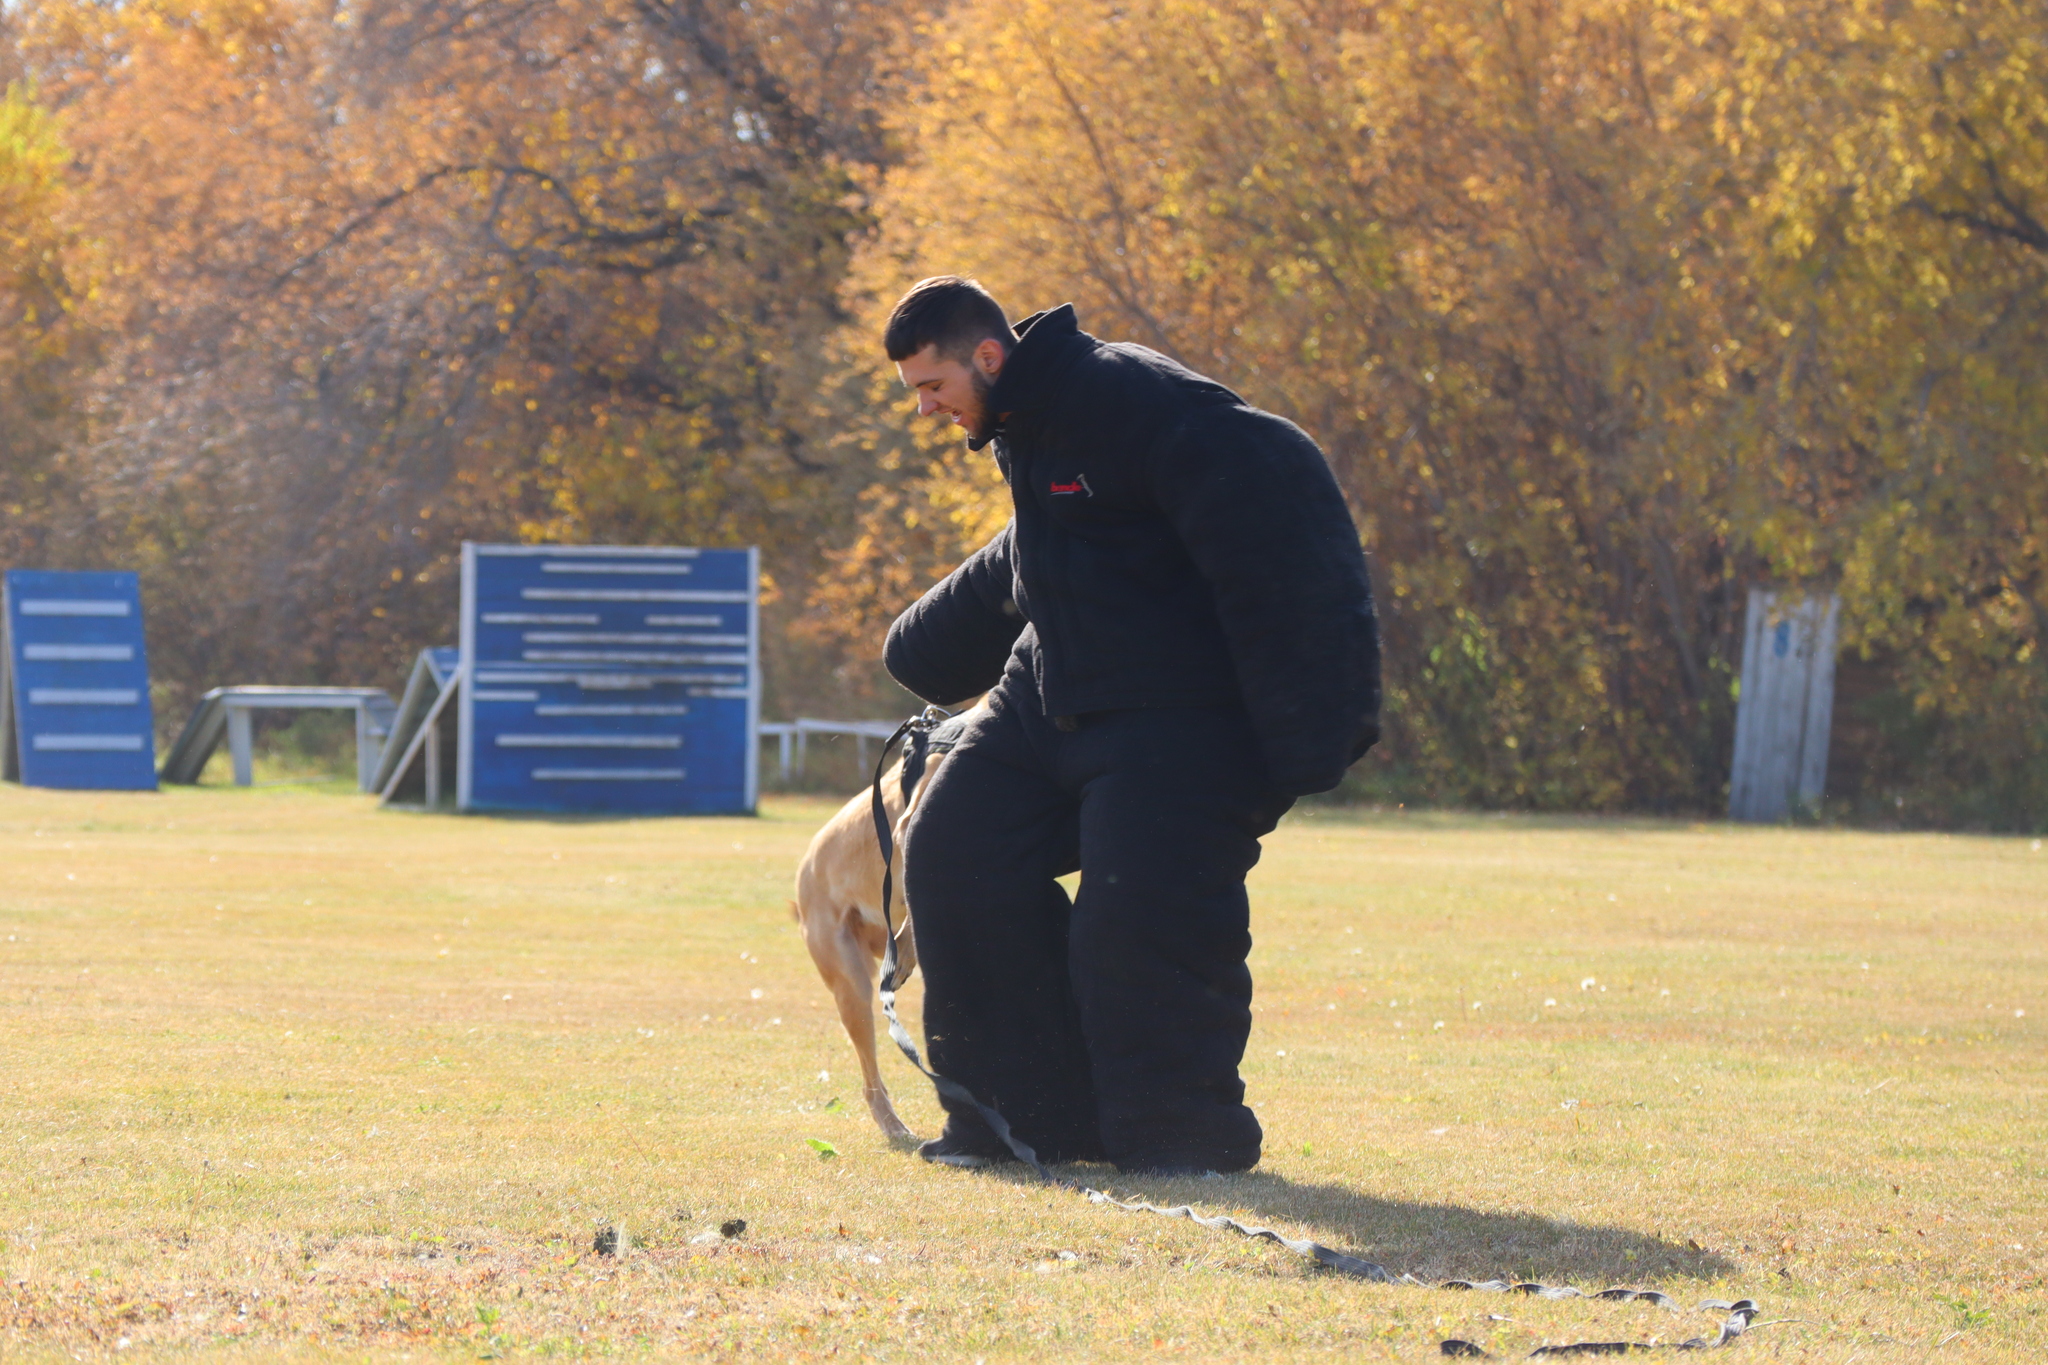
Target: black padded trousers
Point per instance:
(1109, 1027)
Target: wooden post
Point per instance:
(1786, 706)
(432, 755)
(366, 755)
(241, 745)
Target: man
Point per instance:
(1177, 638)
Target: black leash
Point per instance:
(919, 728)
(917, 731)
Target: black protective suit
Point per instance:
(1179, 635)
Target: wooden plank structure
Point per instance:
(227, 711)
(74, 682)
(608, 679)
(421, 750)
(1786, 707)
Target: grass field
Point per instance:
(289, 1077)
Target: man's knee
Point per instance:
(943, 849)
(1152, 930)
(984, 830)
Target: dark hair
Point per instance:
(951, 312)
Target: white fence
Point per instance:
(792, 738)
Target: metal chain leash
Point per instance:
(917, 731)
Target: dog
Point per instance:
(839, 908)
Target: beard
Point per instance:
(981, 418)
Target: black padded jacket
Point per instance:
(1171, 546)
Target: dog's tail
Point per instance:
(795, 913)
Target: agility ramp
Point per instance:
(591, 679)
(228, 711)
(421, 750)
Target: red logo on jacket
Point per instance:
(1079, 485)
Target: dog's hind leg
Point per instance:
(846, 963)
(906, 951)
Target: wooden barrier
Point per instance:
(1786, 706)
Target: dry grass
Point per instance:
(289, 1077)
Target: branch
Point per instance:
(740, 67)
(2025, 231)
(2021, 226)
(1127, 290)
(364, 219)
(679, 235)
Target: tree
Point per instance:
(1604, 310)
(40, 345)
(1901, 227)
(1460, 245)
(398, 273)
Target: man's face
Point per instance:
(955, 388)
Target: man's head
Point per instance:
(949, 340)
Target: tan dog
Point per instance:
(839, 906)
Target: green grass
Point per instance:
(287, 1076)
(290, 748)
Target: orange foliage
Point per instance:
(390, 274)
(1605, 310)
(1561, 287)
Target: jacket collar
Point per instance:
(1044, 342)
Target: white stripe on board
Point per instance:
(83, 696)
(88, 744)
(571, 566)
(590, 741)
(638, 637)
(724, 693)
(78, 654)
(630, 595)
(63, 606)
(607, 774)
(609, 680)
(585, 551)
(610, 710)
(541, 618)
(482, 695)
(685, 621)
(623, 656)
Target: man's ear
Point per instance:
(989, 356)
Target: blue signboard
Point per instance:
(608, 679)
(76, 691)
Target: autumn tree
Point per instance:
(42, 351)
(1896, 423)
(1458, 243)
(394, 273)
(1605, 310)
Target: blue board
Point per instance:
(608, 679)
(77, 682)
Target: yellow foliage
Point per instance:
(1603, 309)
(547, 271)
(39, 341)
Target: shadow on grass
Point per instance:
(540, 817)
(1430, 1241)
(1453, 819)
